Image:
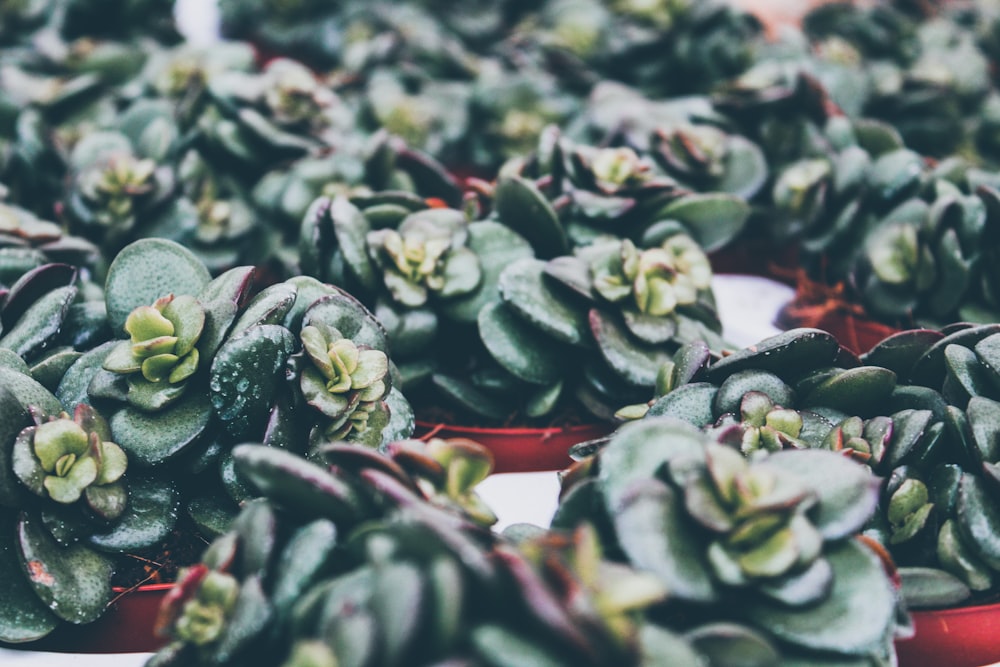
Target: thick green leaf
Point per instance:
(471, 397)
(713, 219)
(658, 646)
(655, 536)
(497, 247)
(855, 391)
(632, 360)
(856, 618)
(149, 518)
(396, 604)
(13, 418)
(23, 616)
(346, 314)
(146, 270)
(268, 307)
(788, 355)
(28, 391)
(249, 619)
(246, 376)
(525, 289)
(39, 323)
(518, 347)
(978, 518)
(846, 491)
(299, 485)
(731, 391)
(153, 438)
(75, 582)
(351, 228)
(731, 645)
(930, 588)
(522, 207)
(690, 402)
(302, 561)
(499, 646)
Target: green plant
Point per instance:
(761, 553)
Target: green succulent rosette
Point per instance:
(766, 545)
(64, 458)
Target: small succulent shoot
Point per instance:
(161, 354)
(764, 425)
(63, 457)
(619, 594)
(198, 608)
(908, 510)
(424, 257)
(113, 187)
(657, 279)
(615, 169)
(466, 463)
(344, 381)
(694, 153)
(758, 515)
(294, 95)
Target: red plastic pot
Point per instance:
(521, 449)
(962, 637)
(126, 627)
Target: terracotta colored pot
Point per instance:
(963, 637)
(521, 449)
(126, 627)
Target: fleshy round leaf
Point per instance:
(521, 206)
(246, 374)
(149, 518)
(632, 360)
(23, 616)
(846, 491)
(712, 219)
(152, 438)
(524, 287)
(856, 391)
(497, 247)
(75, 582)
(301, 486)
(146, 270)
(856, 618)
(519, 348)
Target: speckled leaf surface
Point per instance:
(346, 314)
(691, 403)
(246, 374)
(72, 389)
(269, 307)
(13, 418)
(525, 289)
(846, 491)
(521, 206)
(792, 353)
(150, 516)
(23, 616)
(152, 438)
(351, 227)
(302, 486)
(75, 582)
(146, 270)
(854, 619)
(28, 391)
(978, 518)
(856, 391)
(39, 323)
(518, 347)
(497, 247)
(635, 362)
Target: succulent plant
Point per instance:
(916, 409)
(567, 194)
(383, 547)
(768, 545)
